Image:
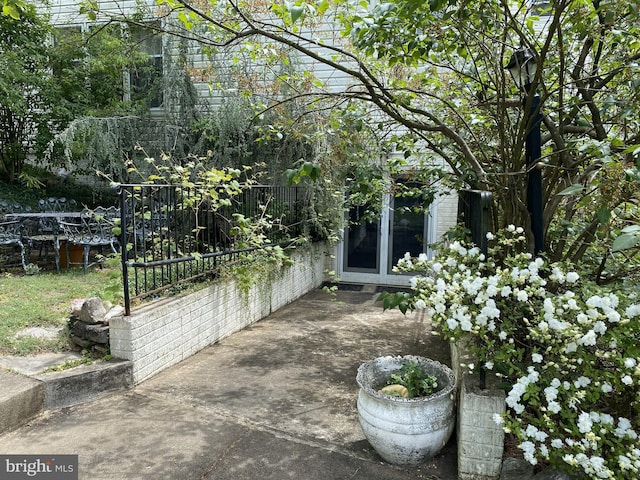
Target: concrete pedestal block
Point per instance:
(480, 438)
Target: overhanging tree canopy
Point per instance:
(436, 70)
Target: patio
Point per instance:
(274, 401)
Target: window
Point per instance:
(541, 7)
(146, 78)
(69, 40)
(112, 63)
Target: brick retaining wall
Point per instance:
(165, 332)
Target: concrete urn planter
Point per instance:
(405, 431)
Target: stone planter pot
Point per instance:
(405, 431)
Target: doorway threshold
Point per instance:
(391, 289)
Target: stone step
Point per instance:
(85, 383)
(22, 397)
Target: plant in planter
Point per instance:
(412, 381)
(406, 407)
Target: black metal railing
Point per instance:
(171, 234)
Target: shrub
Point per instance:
(565, 348)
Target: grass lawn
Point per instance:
(43, 300)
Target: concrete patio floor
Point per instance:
(274, 401)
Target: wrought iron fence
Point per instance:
(172, 234)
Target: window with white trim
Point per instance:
(119, 63)
(146, 79)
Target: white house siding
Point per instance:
(68, 12)
(212, 79)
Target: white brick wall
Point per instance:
(165, 332)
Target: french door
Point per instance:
(370, 249)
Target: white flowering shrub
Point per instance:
(566, 349)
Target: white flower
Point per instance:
(572, 277)
(571, 347)
(624, 428)
(452, 323)
(576, 335)
(597, 466)
(553, 406)
(556, 324)
(606, 419)
(572, 304)
(528, 448)
(490, 236)
(613, 316)
(551, 393)
(632, 311)
(624, 462)
(531, 431)
(600, 327)
(541, 436)
(582, 382)
(588, 339)
(584, 422)
(557, 275)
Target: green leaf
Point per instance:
(625, 241)
(11, 11)
(572, 190)
(296, 13)
(604, 215)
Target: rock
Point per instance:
(516, 469)
(81, 342)
(76, 306)
(92, 311)
(115, 311)
(96, 333)
(552, 474)
(51, 333)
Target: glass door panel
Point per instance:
(362, 243)
(408, 230)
